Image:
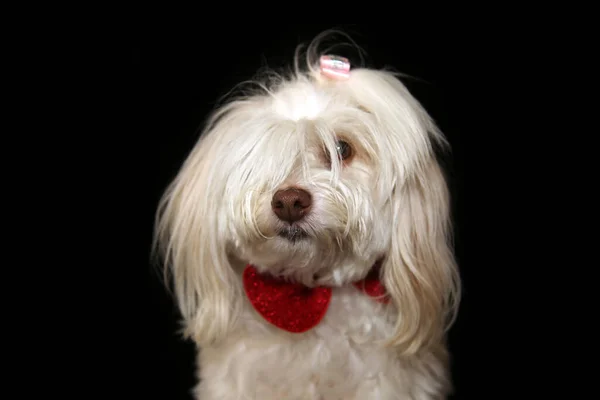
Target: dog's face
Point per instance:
(315, 181)
(309, 199)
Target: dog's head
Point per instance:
(314, 179)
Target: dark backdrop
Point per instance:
(175, 78)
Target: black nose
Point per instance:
(291, 204)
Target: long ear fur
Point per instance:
(189, 235)
(419, 272)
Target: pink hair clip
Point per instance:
(335, 67)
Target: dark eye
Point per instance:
(344, 150)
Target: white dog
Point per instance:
(308, 237)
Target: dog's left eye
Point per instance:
(344, 150)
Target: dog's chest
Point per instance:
(330, 360)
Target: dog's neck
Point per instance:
(297, 308)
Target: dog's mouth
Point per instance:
(293, 233)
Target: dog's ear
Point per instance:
(190, 237)
(419, 271)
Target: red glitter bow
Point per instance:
(294, 307)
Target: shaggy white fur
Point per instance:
(385, 199)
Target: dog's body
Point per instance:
(314, 181)
(338, 359)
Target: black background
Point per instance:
(107, 103)
(173, 79)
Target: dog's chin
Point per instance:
(293, 234)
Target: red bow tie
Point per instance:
(294, 307)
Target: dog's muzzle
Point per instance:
(291, 205)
